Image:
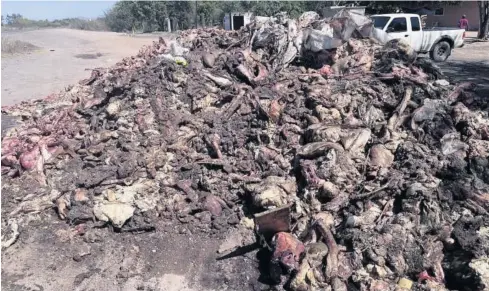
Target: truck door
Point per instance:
(416, 37)
(398, 29)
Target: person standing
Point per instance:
(463, 23)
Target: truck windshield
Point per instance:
(380, 21)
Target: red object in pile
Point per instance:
(326, 71)
(287, 250)
(80, 229)
(424, 276)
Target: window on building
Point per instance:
(415, 24)
(439, 11)
(398, 24)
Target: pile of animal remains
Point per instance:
(383, 163)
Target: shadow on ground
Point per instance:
(88, 56)
(463, 71)
(471, 40)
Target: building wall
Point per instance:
(452, 14)
(227, 21)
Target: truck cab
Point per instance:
(401, 26)
(437, 41)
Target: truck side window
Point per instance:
(415, 24)
(398, 24)
(380, 21)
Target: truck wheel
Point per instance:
(441, 51)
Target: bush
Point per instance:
(95, 25)
(17, 21)
(10, 46)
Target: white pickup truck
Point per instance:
(438, 41)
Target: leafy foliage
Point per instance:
(19, 22)
(147, 15)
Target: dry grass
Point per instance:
(11, 46)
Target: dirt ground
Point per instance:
(49, 255)
(470, 63)
(62, 60)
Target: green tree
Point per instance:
(121, 17)
(183, 12)
(206, 11)
(149, 16)
(161, 14)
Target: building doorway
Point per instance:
(238, 22)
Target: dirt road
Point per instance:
(470, 63)
(62, 60)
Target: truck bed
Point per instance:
(432, 36)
